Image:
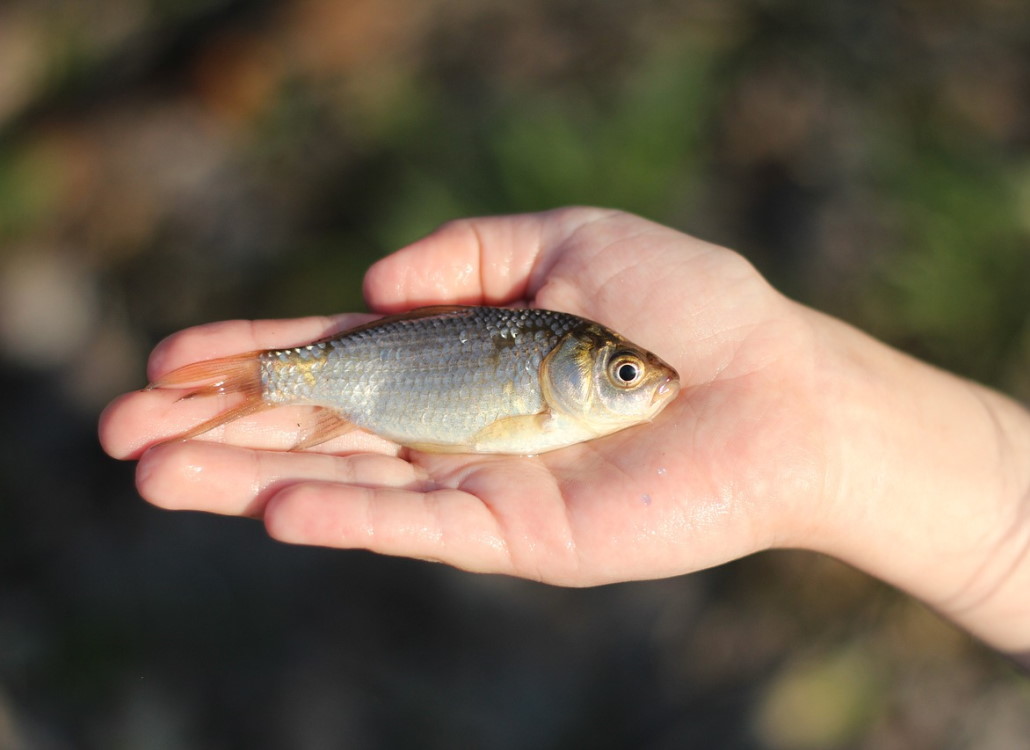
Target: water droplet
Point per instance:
(661, 471)
(645, 499)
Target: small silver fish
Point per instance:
(451, 379)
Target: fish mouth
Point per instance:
(666, 391)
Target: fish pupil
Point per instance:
(627, 372)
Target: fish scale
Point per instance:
(440, 371)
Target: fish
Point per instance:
(449, 379)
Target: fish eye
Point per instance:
(625, 370)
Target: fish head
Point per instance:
(606, 382)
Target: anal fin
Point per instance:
(326, 425)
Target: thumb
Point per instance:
(490, 260)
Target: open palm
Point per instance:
(735, 464)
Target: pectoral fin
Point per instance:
(519, 434)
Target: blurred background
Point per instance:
(168, 163)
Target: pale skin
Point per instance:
(792, 430)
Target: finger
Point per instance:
(236, 336)
(194, 475)
(445, 525)
(489, 260)
(125, 430)
(136, 421)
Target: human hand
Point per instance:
(791, 428)
(711, 479)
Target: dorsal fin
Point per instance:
(419, 313)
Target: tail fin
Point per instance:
(240, 373)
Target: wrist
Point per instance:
(930, 485)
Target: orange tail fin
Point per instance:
(240, 373)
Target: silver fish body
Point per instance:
(468, 379)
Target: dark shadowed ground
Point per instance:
(169, 163)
